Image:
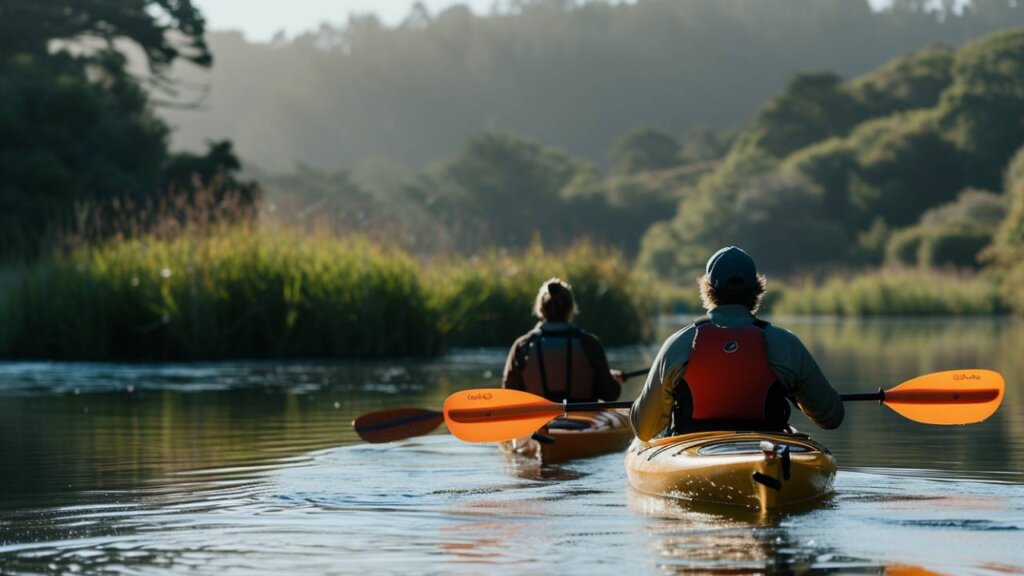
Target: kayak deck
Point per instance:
(581, 435)
(751, 469)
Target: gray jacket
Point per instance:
(793, 365)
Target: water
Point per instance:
(253, 468)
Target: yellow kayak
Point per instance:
(582, 435)
(752, 469)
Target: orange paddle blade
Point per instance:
(396, 424)
(951, 397)
(496, 414)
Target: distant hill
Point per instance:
(909, 165)
(574, 77)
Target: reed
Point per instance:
(273, 293)
(487, 300)
(892, 292)
(226, 295)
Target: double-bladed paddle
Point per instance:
(400, 423)
(951, 397)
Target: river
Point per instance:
(253, 468)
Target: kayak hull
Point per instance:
(607, 432)
(750, 469)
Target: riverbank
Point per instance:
(280, 293)
(882, 292)
(895, 292)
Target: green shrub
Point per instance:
(894, 292)
(1012, 286)
(904, 246)
(954, 246)
(972, 206)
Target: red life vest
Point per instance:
(728, 374)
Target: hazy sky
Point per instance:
(261, 19)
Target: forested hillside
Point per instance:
(904, 165)
(575, 77)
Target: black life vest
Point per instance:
(557, 366)
(728, 383)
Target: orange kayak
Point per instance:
(752, 469)
(581, 435)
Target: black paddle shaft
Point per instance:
(628, 375)
(595, 406)
(879, 396)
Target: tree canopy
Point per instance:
(837, 166)
(574, 75)
(81, 150)
(165, 30)
(645, 149)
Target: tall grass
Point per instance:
(242, 293)
(1010, 277)
(487, 300)
(233, 294)
(894, 292)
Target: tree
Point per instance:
(905, 166)
(830, 165)
(67, 142)
(1008, 248)
(1009, 239)
(165, 30)
(645, 149)
(79, 143)
(703, 144)
(916, 80)
(972, 206)
(214, 174)
(511, 184)
(952, 234)
(779, 218)
(982, 110)
(415, 92)
(812, 108)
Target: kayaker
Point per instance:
(732, 370)
(556, 359)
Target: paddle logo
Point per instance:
(731, 347)
(479, 396)
(966, 377)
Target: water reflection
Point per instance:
(253, 467)
(691, 537)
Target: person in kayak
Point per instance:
(732, 370)
(556, 359)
